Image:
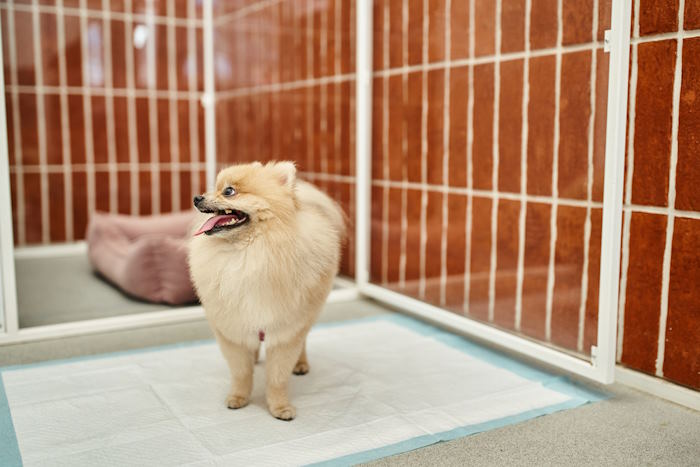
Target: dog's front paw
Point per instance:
(284, 412)
(301, 368)
(236, 402)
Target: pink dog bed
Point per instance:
(144, 256)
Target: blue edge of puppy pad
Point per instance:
(580, 395)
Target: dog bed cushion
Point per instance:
(146, 256)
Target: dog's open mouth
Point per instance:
(223, 220)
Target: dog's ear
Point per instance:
(286, 172)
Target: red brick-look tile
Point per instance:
(394, 244)
(459, 95)
(604, 17)
(577, 18)
(24, 48)
(590, 328)
(433, 260)
(33, 207)
(124, 192)
(415, 31)
(412, 120)
(484, 27)
(543, 24)
(396, 37)
(186, 190)
(121, 129)
(535, 264)
(54, 138)
(506, 262)
(482, 148)
(166, 187)
(688, 169)
(143, 130)
(456, 243)
(480, 258)
(574, 115)
(145, 181)
(459, 30)
(79, 204)
(658, 16)
(436, 101)
(413, 235)
(102, 191)
(568, 268)
(692, 15)
(57, 194)
(643, 295)
(436, 30)
(652, 128)
(396, 155)
(682, 350)
(512, 26)
(76, 123)
(118, 52)
(376, 229)
(74, 62)
(49, 49)
(541, 125)
(510, 126)
(99, 130)
(28, 129)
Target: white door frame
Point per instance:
(601, 366)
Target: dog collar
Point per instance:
(261, 335)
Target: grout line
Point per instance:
(16, 128)
(589, 188)
(104, 91)
(310, 96)
(59, 9)
(109, 111)
(445, 154)
(496, 58)
(66, 147)
(470, 162)
(404, 148)
(41, 125)
(555, 179)
(106, 167)
(631, 119)
(173, 126)
(523, 172)
(668, 251)
(285, 86)
(131, 115)
(245, 11)
(494, 174)
(665, 211)
(424, 153)
(87, 113)
(685, 34)
(338, 88)
(193, 103)
(385, 146)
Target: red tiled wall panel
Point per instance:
(494, 166)
(660, 314)
(96, 122)
(285, 91)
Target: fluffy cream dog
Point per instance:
(263, 263)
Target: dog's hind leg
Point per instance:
(240, 362)
(302, 366)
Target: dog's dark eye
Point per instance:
(229, 191)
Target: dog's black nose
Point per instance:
(198, 199)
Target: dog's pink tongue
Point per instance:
(213, 222)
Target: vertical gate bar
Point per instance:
(604, 353)
(209, 97)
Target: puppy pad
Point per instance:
(377, 387)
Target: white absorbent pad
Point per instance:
(376, 387)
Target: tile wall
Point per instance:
(285, 87)
(103, 111)
(659, 321)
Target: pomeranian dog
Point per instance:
(263, 260)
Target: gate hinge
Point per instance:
(606, 40)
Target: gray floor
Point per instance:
(629, 429)
(62, 289)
